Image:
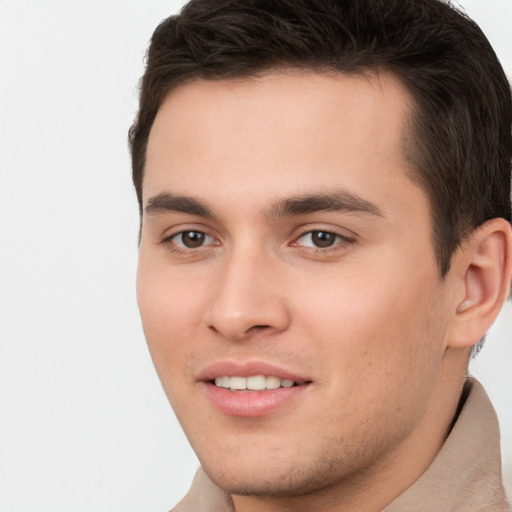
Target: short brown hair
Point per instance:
(461, 145)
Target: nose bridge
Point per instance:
(247, 295)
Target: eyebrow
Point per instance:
(332, 201)
(335, 201)
(167, 202)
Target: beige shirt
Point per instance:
(464, 477)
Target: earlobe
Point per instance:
(484, 271)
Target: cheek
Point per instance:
(375, 326)
(170, 310)
(169, 299)
(381, 358)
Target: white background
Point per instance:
(84, 425)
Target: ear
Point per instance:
(481, 270)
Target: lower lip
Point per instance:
(250, 404)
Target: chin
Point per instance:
(252, 485)
(293, 480)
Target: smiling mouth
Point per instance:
(242, 391)
(253, 383)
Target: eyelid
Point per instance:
(335, 230)
(180, 227)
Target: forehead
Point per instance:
(286, 130)
(282, 100)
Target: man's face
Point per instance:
(283, 240)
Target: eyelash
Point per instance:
(339, 240)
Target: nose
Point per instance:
(248, 297)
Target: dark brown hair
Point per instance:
(461, 142)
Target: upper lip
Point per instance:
(248, 369)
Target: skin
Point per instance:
(367, 319)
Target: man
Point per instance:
(325, 201)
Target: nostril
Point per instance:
(256, 328)
(237, 335)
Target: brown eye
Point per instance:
(191, 239)
(318, 239)
(323, 239)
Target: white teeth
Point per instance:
(256, 383)
(238, 383)
(273, 383)
(253, 383)
(222, 382)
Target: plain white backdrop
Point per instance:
(84, 424)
